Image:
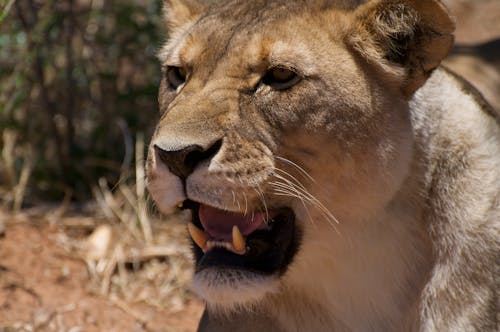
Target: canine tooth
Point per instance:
(239, 243)
(199, 237)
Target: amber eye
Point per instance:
(176, 76)
(280, 78)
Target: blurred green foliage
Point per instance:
(78, 79)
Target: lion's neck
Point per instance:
(368, 272)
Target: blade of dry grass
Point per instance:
(140, 186)
(20, 188)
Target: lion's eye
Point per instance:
(280, 78)
(176, 76)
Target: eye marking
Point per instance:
(176, 76)
(280, 78)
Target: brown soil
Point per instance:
(43, 288)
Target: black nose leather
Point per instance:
(183, 162)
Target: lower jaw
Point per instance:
(233, 288)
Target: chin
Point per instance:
(229, 289)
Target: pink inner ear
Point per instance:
(219, 223)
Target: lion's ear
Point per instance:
(412, 35)
(181, 12)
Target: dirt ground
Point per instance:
(45, 287)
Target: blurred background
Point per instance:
(78, 83)
(81, 247)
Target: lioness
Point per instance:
(339, 179)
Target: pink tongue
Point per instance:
(219, 224)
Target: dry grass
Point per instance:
(124, 258)
(131, 254)
(15, 182)
(82, 272)
(124, 267)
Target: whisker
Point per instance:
(290, 188)
(303, 193)
(262, 199)
(291, 177)
(304, 190)
(307, 212)
(279, 192)
(238, 203)
(297, 167)
(246, 203)
(283, 192)
(287, 189)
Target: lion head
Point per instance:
(284, 123)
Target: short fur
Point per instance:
(398, 164)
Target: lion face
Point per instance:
(278, 122)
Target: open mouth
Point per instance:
(260, 242)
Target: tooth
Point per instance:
(238, 240)
(199, 237)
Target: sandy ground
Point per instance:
(43, 287)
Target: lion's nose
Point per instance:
(183, 162)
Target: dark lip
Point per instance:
(269, 251)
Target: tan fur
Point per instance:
(396, 165)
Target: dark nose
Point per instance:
(183, 162)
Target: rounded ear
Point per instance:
(179, 13)
(412, 35)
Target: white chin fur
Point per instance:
(227, 289)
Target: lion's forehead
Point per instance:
(243, 40)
